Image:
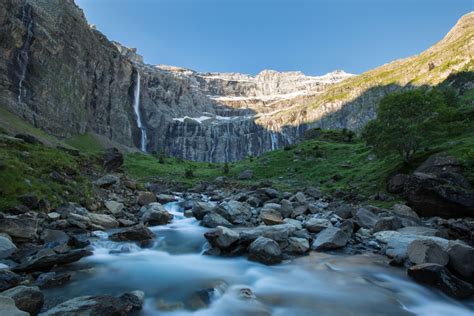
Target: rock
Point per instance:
(270, 216)
(39, 263)
(344, 211)
(461, 260)
(404, 210)
(396, 183)
(427, 251)
(8, 307)
(315, 225)
(213, 220)
(439, 276)
(22, 228)
(134, 298)
(114, 207)
(299, 210)
(54, 216)
(52, 279)
(112, 159)
(7, 247)
(286, 208)
(52, 237)
(222, 237)
(365, 218)
(27, 298)
(156, 214)
(165, 198)
(29, 200)
(30, 139)
(245, 175)
(103, 305)
(107, 181)
(300, 198)
(297, 245)
(387, 223)
(135, 233)
(8, 279)
(265, 250)
(103, 220)
(275, 232)
(145, 198)
(234, 211)
(200, 209)
(313, 192)
(330, 238)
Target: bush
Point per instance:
(162, 157)
(226, 168)
(189, 173)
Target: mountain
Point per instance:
(65, 77)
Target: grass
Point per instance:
(85, 143)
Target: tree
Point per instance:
(405, 121)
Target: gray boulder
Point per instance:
(134, 233)
(265, 250)
(27, 298)
(103, 220)
(107, 181)
(270, 216)
(7, 247)
(44, 262)
(21, 228)
(286, 208)
(8, 279)
(315, 225)
(275, 232)
(365, 218)
(427, 251)
(330, 238)
(103, 305)
(200, 209)
(114, 207)
(8, 307)
(213, 220)
(387, 223)
(245, 175)
(156, 214)
(461, 259)
(222, 237)
(145, 198)
(296, 245)
(234, 211)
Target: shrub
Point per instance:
(189, 173)
(226, 168)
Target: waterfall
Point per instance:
(274, 139)
(136, 108)
(23, 57)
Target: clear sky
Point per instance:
(314, 36)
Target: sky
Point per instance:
(247, 36)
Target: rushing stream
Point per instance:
(174, 274)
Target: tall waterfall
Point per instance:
(274, 139)
(23, 57)
(136, 108)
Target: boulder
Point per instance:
(387, 223)
(44, 262)
(234, 211)
(270, 216)
(114, 207)
(145, 198)
(265, 250)
(344, 211)
(8, 279)
(21, 228)
(439, 276)
(103, 305)
(7, 247)
(134, 233)
(330, 238)
(404, 210)
(103, 220)
(29, 200)
(313, 192)
(427, 251)
(365, 218)
(213, 220)
(107, 181)
(286, 208)
(315, 225)
(222, 237)
(134, 298)
(275, 232)
(200, 209)
(165, 198)
(300, 198)
(53, 237)
(297, 245)
(156, 214)
(461, 259)
(27, 298)
(112, 159)
(396, 183)
(245, 175)
(8, 307)
(52, 279)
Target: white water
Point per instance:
(173, 270)
(23, 57)
(136, 108)
(274, 140)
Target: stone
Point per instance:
(275, 232)
(213, 220)
(270, 216)
(156, 214)
(300, 198)
(286, 208)
(107, 181)
(387, 223)
(200, 209)
(315, 225)
(404, 210)
(234, 211)
(29, 200)
(245, 175)
(54, 216)
(365, 218)
(396, 183)
(439, 276)
(330, 238)
(8, 279)
(103, 220)
(461, 260)
(7, 247)
(299, 210)
(344, 211)
(222, 237)
(28, 138)
(52, 237)
(112, 159)
(27, 298)
(265, 250)
(104, 305)
(427, 251)
(313, 192)
(145, 198)
(134, 298)
(8, 307)
(44, 262)
(297, 246)
(114, 207)
(165, 198)
(52, 279)
(134, 233)
(21, 228)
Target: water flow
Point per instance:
(23, 57)
(136, 108)
(274, 139)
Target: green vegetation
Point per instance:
(85, 143)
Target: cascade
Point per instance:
(136, 108)
(274, 139)
(23, 57)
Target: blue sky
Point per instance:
(314, 36)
